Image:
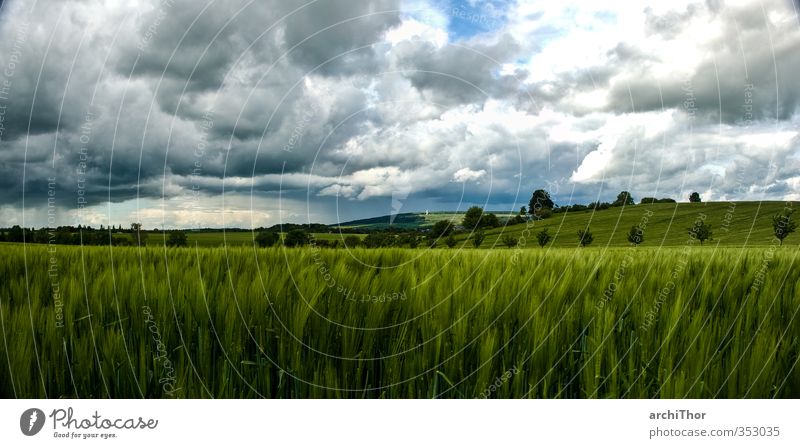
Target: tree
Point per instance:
(539, 200)
(139, 234)
(431, 242)
(523, 211)
(516, 219)
(177, 238)
(267, 239)
(585, 237)
(543, 237)
(694, 197)
(2, 236)
(783, 225)
(509, 241)
(472, 219)
(636, 235)
(352, 241)
(15, 234)
(623, 198)
(700, 231)
(477, 238)
(451, 241)
(296, 237)
(442, 228)
(489, 220)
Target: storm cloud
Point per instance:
(182, 113)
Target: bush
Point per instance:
(543, 237)
(700, 231)
(509, 241)
(442, 228)
(490, 220)
(450, 242)
(783, 225)
(296, 237)
(585, 237)
(542, 213)
(177, 238)
(623, 198)
(636, 235)
(267, 239)
(379, 239)
(472, 218)
(352, 241)
(477, 238)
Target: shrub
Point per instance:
(352, 241)
(267, 239)
(700, 231)
(296, 238)
(177, 238)
(783, 225)
(585, 237)
(543, 237)
(477, 238)
(636, 235)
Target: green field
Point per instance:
(398, 323)
(734, 224)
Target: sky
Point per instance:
(236, 113)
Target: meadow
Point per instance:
(231, 322)
(735, 224)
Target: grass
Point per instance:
(734, 224)
(398, 323)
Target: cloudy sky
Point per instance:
(193, 113)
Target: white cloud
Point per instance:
(468, 175)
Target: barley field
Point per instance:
(399, 323)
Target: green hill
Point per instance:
(733, 224)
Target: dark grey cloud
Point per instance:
(228, 95)
(461, 73)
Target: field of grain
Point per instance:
(399, 323)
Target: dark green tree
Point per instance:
(700, 231)
(543, 237)
(472, 219)
(477, 238)
(451, 241)
(623, 198)
(267, 239)
(540, 200)
(177, 238)
(694, 197)
(442, 228)
(509, 241)
(636, 235)
(489, 220)
(783, 225)
(15, 234)
(296, 238)
(585, 237)
(352, 241)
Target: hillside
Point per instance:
(410, 220)
(733, 224)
